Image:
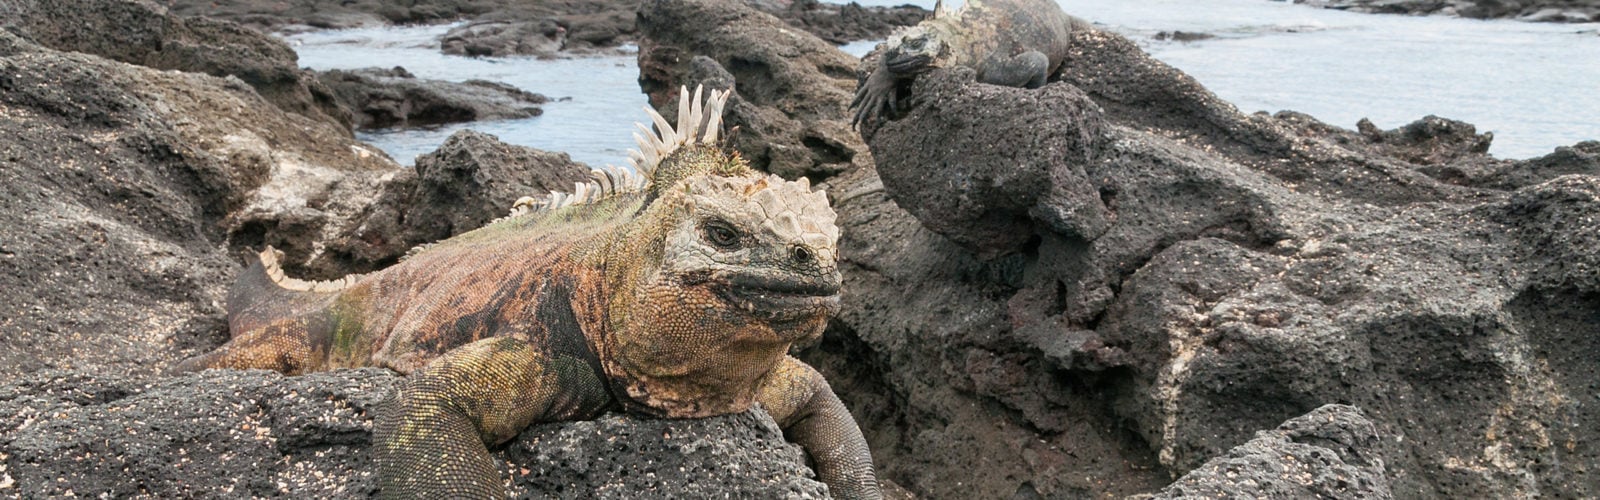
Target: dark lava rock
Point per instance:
(1252, 268)
(386, 98)
(123, 190)
(789, 86)
(256, 433)
(844, 23)
(471, 179)
(742, 455)
(142, 32)
(1328, 453)
(1183, 36)
(1557, 11)
(222, 433)
(989, 205)
(1452, 151)
(543, 38)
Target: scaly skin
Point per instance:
(1016, 43)
(675, 300)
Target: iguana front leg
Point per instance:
(433, 442)
(874, 95)
(812, 416)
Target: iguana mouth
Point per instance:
(908, 63)
(781, 299)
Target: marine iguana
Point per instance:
(674, 292)
(1016, 43)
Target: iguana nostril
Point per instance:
(800, 254)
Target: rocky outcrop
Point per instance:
(1549, 11)
(471, 179)
(542, 38)
(1250, 268)
(125, 190)
(790, 85)
(385, 98)
(843, 23)
(142, 32)
(260, 434)
(1328, 453)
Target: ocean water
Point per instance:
(594, 100)
(1536, 86)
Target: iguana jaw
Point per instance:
(780, 301)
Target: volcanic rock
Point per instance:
(258, 433)
(472, 179)
(390, 98)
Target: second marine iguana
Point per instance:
(674, 292)
(1016, 43)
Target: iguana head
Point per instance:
(913, 50)
(745, 258)
(762, 246)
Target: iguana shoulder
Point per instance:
(1017, 43)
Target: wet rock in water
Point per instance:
(1557, 11)
(790, 87)
(543, 38)
(142, 33)
(1328, 453)
(1183, 36)
(389, 98)
(125, 190)
(1559, 15)
(1251, 268)
(258, 433)
(471, 179)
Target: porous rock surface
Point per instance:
(1328, 453)
(241, 434)
(145, 33)
(1250, 268)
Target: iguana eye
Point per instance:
(720, 234)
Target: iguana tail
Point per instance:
(274, 320)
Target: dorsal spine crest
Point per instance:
(270, 258)
(699, 123)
